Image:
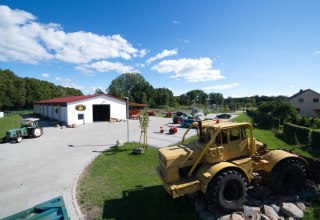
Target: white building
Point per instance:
(83, 109)
(306, 102)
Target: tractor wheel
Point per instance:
(5, 140)
(36, 132)
(228, 190)
(288, 177)
(19, 139)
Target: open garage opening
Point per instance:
(101, 112)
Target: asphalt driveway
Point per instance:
(37, 170)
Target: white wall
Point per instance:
(117, 109)
(1, 115)
(307, 107)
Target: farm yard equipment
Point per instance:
(186, 121)
(223, 161)
(52, 209)
(168, 114)
(172, 129)
(134, 114)
(29, 128)
(152, 113)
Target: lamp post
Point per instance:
(127, 113)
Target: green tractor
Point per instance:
(29, 128)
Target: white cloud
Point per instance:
(192, 70)
(24, 39)
(163, 54)
(45, 75)
(316, 52)
(291, 86)
(105, 66)
(222, 87)
(66, 82)
(175, 22)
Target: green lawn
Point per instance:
(120, 185)
(271, 138)
(9, 122)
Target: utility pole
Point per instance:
(127, 107)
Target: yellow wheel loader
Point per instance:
(222, 161)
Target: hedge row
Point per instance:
(263, 120)
(295, 134)
(315, 139)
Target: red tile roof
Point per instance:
(78, 98)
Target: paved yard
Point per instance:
(39, 169)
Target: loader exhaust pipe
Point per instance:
(200, 130)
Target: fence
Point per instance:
(18, 112)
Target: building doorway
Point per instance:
(101, 112)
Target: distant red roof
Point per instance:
(78, 98)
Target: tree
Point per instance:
(16, 92)
(279, 109)
(198, 96)
(98, 91)
(216, 98)
(144, 122)
(131, 85)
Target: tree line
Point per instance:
(134, 86)
(18, 93)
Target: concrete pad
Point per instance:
(40, 169)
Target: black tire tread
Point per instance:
(279, 172)
(214, 187)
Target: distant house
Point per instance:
(306, 102)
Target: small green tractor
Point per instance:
(29, 128)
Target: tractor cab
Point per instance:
(30, 122)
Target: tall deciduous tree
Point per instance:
(16, 92)
(216, 98)
(131, 85)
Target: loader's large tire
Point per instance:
(36, 132)
(228, 191)
(288, 177)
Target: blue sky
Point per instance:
(237, 48)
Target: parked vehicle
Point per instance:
(187, 122)
(224, 116)
(221, 164)
(29, 128)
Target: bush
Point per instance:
(295, 134)
(315, 139)
(162, 107)
(264, 120)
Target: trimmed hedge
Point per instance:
(295, 134)
(315, 139)
(264, 120)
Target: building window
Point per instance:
(315, 100)
(80, 116)
(300, 100)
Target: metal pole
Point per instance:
(127, 105)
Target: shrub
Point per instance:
(295, 134)
(315, 139)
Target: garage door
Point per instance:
(101, 112)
